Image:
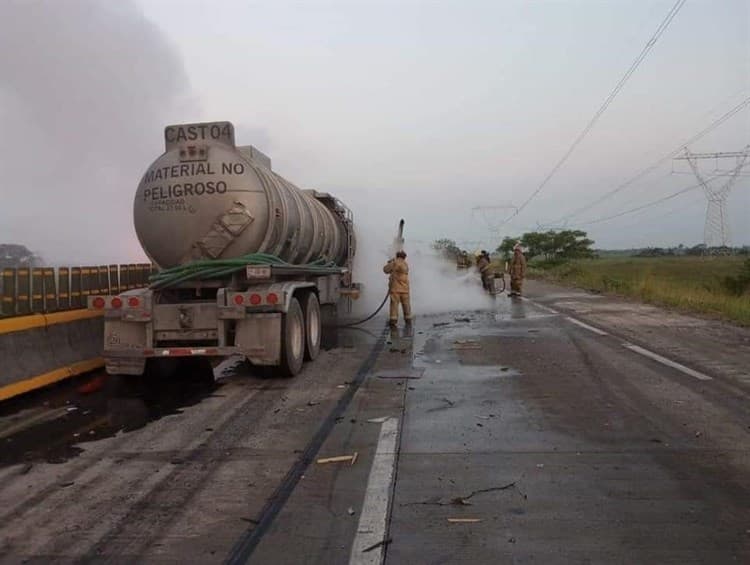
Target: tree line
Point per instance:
(550, 245)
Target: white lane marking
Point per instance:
(668, 362)
(374, 517)
(538, 305)
(597, 331)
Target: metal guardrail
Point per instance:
(40, 290)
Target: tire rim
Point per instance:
(313, 329)
(297, 342)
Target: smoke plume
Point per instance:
(86, 88)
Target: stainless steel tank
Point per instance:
(205, 198)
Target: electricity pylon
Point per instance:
(716, 233)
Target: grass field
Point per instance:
(692, 284)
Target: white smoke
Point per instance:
(86, 88)
(436, 285)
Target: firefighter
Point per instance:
(517, 271)
(398, 287)
(485, 270)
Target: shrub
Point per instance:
(739, 284)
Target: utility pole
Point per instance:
(716, 233)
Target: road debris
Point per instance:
(378, 420)
(249, 520)
(413, 373)
(465, 320)
(66, 484)
(312, 402)
(350, 511)
(339, 459)
(464, 520)
(461, 500)
(440, 324)
(448, 404)
(377, 545)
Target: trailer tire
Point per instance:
(292, 340)
(311, 309)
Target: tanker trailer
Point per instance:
(248, 263)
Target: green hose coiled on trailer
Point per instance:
(216, 268)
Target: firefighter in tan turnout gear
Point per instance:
(398, 287)
(485, 270)
(517, 271)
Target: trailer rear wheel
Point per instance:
(292, 340)
(311, 309)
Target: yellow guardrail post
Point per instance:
(50, 290)
(103, 279)
(114, 279)
(63, 288)
(23, 291)
(75, 287)
(8, 307)
(124, 277)
(37, 291)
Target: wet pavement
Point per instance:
(534, 443)
(526, 432)
(53, 425)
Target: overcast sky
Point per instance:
(421, 110)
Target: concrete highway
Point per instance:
(565, 427)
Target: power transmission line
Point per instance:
(615, 91)
(657, 226)
(666, 158)
(642, 207)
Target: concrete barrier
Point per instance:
(46, 334)
(41, 349)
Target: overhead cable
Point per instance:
(642, 206)
(651, 42)
(666, 158)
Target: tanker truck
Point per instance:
(246, 263)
